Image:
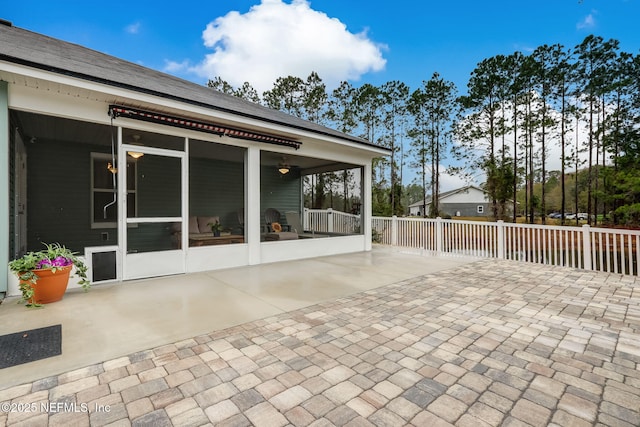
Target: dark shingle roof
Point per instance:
(42, 52)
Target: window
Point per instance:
(104, 213)
(480, 209)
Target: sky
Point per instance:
(361, 41)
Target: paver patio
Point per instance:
(483, 344)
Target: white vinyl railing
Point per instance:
(331, 221)
(588, 248)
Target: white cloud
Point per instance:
(588, 22)
(175, 67)
(276, 39)
(133, 28)
(450, 182)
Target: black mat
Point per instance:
(28, 346)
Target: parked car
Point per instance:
(555, 215)
(583, 216)
(570, 216)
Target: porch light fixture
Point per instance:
(135, 154)
(283, 168)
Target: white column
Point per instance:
(122, 203)
(252, 203)
(366, 211)
(4, 185)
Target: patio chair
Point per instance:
(271, 216)
(272, 221)
(293, 219)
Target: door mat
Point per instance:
(28, 346)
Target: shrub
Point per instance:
(628, 215)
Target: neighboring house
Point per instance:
(466, 201)
(115, 160)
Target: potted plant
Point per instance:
(44, 275)
(216, 228)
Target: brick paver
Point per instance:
(485, 344)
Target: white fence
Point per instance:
(330, 221)
(588, 248)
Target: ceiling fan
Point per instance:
(284, 166)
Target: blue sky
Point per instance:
(401, 40)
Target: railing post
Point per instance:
(439, 235)
(586, 247)
(501, 241)
(330, 220)
(394, 230)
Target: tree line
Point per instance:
(583, 102)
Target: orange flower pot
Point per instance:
(50, 286)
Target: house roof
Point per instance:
(38, 51)
(446, 194)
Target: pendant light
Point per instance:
(283, 167)
(135, 154)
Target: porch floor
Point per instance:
(378, 338)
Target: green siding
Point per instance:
(281, 192)
(216, 188)
(58, 194)
(158, 186)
